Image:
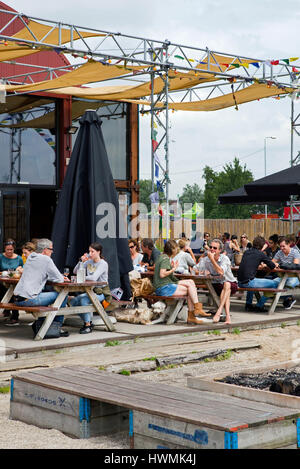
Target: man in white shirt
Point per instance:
(288, 255)
(38, 269)
(216, 263)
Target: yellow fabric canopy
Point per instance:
(90, 72)
(251, 93)
(47, 121)
(22, 103)
(38, 32)
(124, 92)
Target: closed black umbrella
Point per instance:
(88, 207)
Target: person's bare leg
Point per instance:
(183, 290)
(193, 302)
(227, 307)
(225, 295)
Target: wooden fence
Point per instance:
(252, 228)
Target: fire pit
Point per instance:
(279, 380)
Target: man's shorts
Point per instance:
(219, 287)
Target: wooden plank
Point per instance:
(164, 407)
(29, 309)
(207, 404)
(183, 394)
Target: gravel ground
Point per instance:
(278, 345)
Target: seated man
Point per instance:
(151, 254)
(246, 276)
(288, 255)
(38, 269)
(217, 263)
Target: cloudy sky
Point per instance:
(261, 29)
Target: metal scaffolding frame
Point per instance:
(159, 58)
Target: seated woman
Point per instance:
(97, 271)
(9, 260)
(27, 249)
(136, 256)
(184, 257)
(166, 284)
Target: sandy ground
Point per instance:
(279, 344)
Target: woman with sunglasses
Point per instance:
(245, 243)
(9, 260)
(136, 256)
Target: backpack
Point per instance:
(141, 286)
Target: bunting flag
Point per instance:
(156, 170)
(157, 162)
(159, 186)
(48, 138)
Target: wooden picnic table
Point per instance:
(284, 274)
(64, 289)
(206, 280)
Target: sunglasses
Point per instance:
(214, 247)
(131, 247)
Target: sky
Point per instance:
(261, 29)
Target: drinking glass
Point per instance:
(66, 271)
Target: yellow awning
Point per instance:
(22, 103)
(125, 92)
(38, 32)
(47, 121)
(90, 72)
(251, 93)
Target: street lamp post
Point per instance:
(265, 160)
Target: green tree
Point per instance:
(191, 194)
(233, 176)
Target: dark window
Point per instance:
(28, 154)
(114, 129)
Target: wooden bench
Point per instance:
(174, 306)
(36, 311)
(85, 402)
(276, 291)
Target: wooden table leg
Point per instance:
(278, 295)
(175, 311)
(8, 295)
(99, 309)
(51, 315)
(213, 293)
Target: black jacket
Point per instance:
(249, 264)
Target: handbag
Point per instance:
(52, 333)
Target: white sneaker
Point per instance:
(290, 305)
